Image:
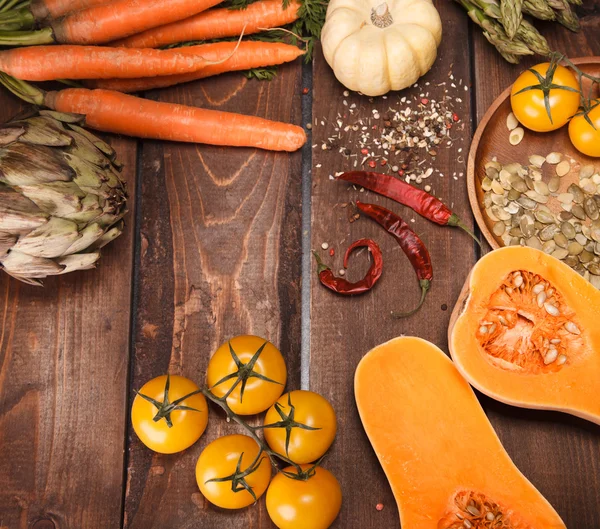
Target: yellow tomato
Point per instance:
(178, 429)
(310, 504)
(584, 137)
(529, 105)
(263, 370)
(220, 459)
(311, 423)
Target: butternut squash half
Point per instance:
(526, 331)
(445, 464)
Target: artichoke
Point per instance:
(61, 198)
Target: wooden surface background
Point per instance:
(214, 248)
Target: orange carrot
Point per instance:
(42, 9)
(216, 23)
(47, 63)
(106, 22)
(248, 55)
(111, 111)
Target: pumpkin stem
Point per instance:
(381, 16)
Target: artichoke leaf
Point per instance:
(63, 117)
(50, 240)
(6, 242)
(100, 144)
(59, 198)
(26, 164)
(88, 236)
(21, 264)
(78, 261)
(18, 214)
(85, 149)
(45, 131)
(108, 237)
(10, 133)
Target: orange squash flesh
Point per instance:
(529, 373)
(445, 464)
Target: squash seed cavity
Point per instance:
(528, 327)
(474, 510)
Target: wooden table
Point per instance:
(217, 244)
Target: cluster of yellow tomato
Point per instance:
(248, 374)
(548, 96)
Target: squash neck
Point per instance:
(381, 16)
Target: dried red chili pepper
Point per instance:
(411, 245)
(345, 287)
(423, 203)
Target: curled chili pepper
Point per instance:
(345, 287)
(411, 245)
(423, 203)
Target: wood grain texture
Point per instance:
(344, 329)
(220, 256)
(559, 454)
(64, 355)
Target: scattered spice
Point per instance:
(331, 252)
(345, 287)
(305, 91)
(411, 245)
(420, 201)
(325, 246)
(379, 506)
(408, 132)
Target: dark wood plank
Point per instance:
(64, 355)
(343, 329)
(559, 454)
(220, 256)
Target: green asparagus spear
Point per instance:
(512, 15)
(532, 38)
(538, 9)
(566, 16)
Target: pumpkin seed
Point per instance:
(534, 242)
(513, 208)
(500, 214)
(594, 268)
(535, 174)
(514, 241)
(578, 211)
(577, 192)
(575, 248)
(561, 360)
(541, 188)
(499, 200)
(534, 195)
(515, 232)
(554, 158)
(483, 329)
(591, 209)
(513, 194)
(568, 230)
(588, 186)
(486, 184)
(544, 217)
(561, 240)
(590, 246)
(572, 328)
(512, 122)
(526, 225)
(549, 247)
(537, 160)
(499, 229)
(563, 168)
(565, 198)
(548, 232)
(565, 215)
(516, 136)
(551, 355)
(473, 510)
(571, 260)
(560, 253)
(554, 184)
(567, 207)
(497, 187)
(581, 239)
(529, 181)
(527, 203)
(586, 171)
(490, 213)
(586, 257)
(514, 168)
(493, 164)
(492, 172)
(552, 309)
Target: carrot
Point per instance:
(248, 55)
(42, 9)
(106, 22)
(216, 23)
(47, 63)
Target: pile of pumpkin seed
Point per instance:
(516, 198)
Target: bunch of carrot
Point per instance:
(111, 44)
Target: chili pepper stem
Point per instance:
(425, 284)
(321, 266)
(454, 220)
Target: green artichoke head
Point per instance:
(61, 197)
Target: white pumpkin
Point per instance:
(375, 47)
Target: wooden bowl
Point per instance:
(492, 140)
